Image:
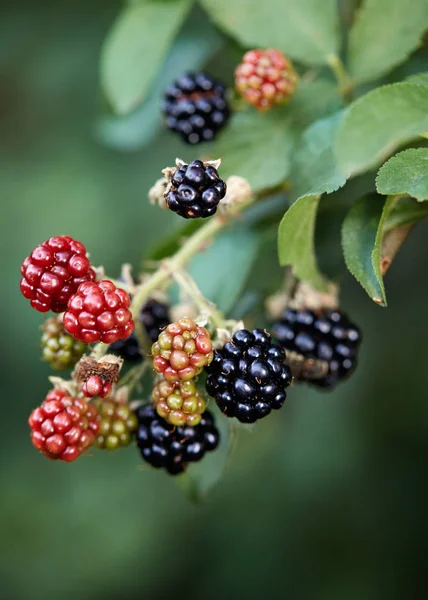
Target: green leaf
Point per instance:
(220, 278)
(257, 147)
(405, 173)
(385, 32)
(379, 122)
(296, 241)
(306, 30)
(197, 41)
(418, 79)
(136, 47)
(406, 212)
(362, 235)
(315, 168)
(314, 100)
(202, 476)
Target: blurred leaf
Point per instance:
(315, 169)
(170, 243)
(377, 123)
(202, 476)
(306, 30)
(296, 241)
(314, 100)
(362, 235)
(405, 173)
(418, 79)
(256, 146)
(196, 42)
(406, 212)
(384, 33)
(222, 269)
(136, 47)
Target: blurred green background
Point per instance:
(325, 500)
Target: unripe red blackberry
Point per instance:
(96, 386)
(154, 317)
(183, 349)
(195, 107)
(63, 427)
(265, 78)
(326, 335)
(53, 272)
(195, 190)
(98, 312)
(118, 424)
(178, 403)
(248, 377)
(59, 348)
(169, 447)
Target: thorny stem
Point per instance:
(343, 79)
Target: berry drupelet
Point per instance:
(96, 386)
(265, 78)
(178, 403)
(248, 377)
(169, 447)
(63, 427)
(59, 348)
(327, 335)
(118, 424)
(99, 312)
(183, 349)
(195, 190)
(53, 272)
(195, 107)
(154, 317)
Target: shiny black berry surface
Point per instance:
(195, 107)
(196, 190)
(155, 317)
(248, 377)
(328, 335)
(166, 446)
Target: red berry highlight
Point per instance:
(265, 78)
(53, 272)
(63, 427)
(95, 386)
(99, 312)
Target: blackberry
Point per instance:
(169, 447)
(248, 377)
(327, 335)
(59, 348)
(117, 424)
(195, 190)
(195, 107)
(178, 403)
(154, 316)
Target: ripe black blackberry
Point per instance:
(195, 106)
(326, 335)
(165, 446)
(155, 317)
(248, 377)
(195, 190)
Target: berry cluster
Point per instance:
(117, 425)
(195, 107)
(195, 190)
(328, 336)
(99, 312)
(63, 427)
(265, 78)
(248, 377)
(178, 403)
(183, 349)
(59, 348)
(166, 446)
(53, 272)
